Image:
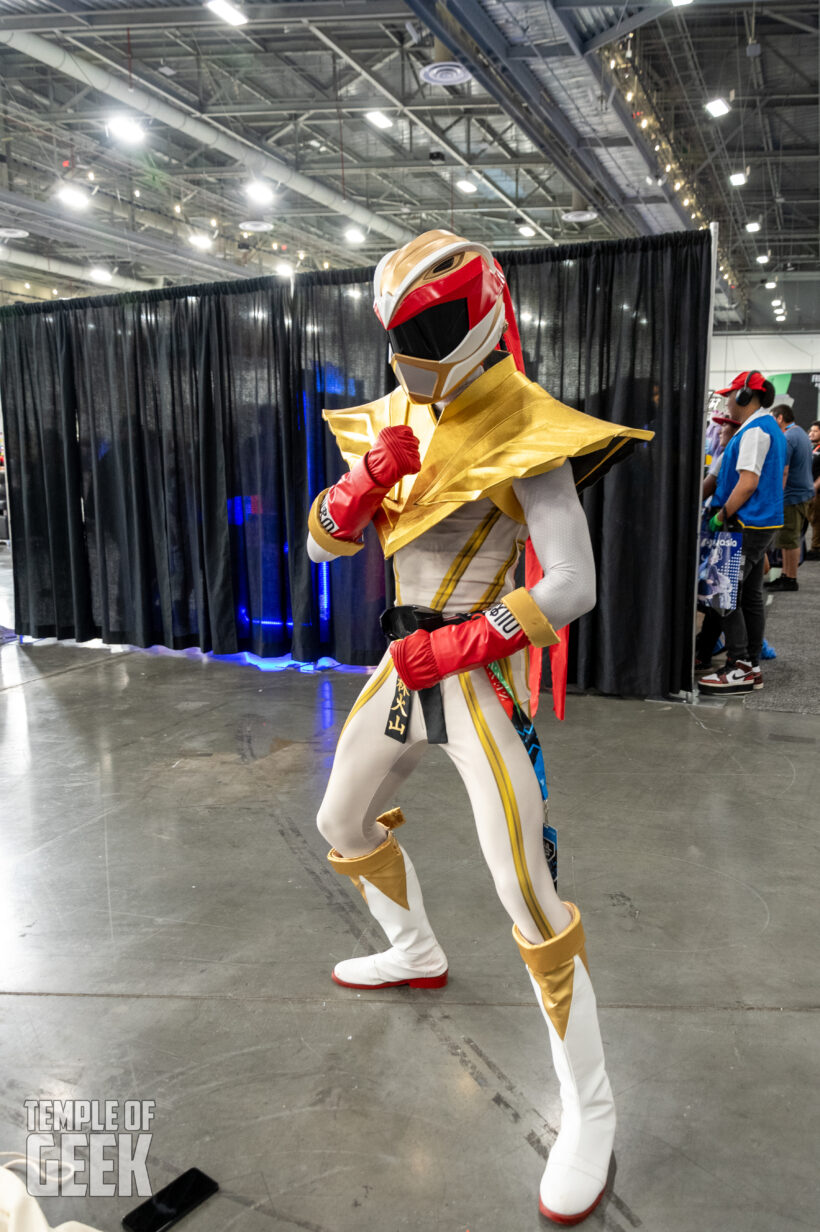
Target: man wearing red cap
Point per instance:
(749, 496)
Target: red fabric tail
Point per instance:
(512, 339)
(532, 570)
(559, 655)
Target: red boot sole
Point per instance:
(569, 1220)
(417, 981)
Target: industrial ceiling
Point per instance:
(158, 143)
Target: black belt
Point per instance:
(399, 622)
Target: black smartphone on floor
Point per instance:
(171, 1203)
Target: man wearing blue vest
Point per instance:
(749, 497)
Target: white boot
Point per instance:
(575, 1176)
(390, 887)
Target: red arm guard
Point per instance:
(351, 503)
(423, 658)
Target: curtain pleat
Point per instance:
(164, 448)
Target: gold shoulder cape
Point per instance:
(502, 427)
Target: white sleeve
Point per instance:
(751, 454)
(560, 536)
(317, 554)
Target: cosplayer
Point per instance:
(457, 468)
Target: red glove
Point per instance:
(351, 503)
(422, 658)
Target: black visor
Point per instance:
(434, 333)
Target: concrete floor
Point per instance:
(168, 921)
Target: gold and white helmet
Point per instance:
(441, 300)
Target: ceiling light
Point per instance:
(717, 107)
(136, 192)
(126, 129)
(27, 285)
(737, 179)
(678, 185)
(226, 11)
(465, 186)
(213, 222)
(629, 96)
(252, 226)
(378, 119)
(54, 291)
(177, 209)
(770, 286)
(325, 265)
(777, 303)
(199, 240)
(668, 168)
(91, 175)
(678, 4)
(101, 275)
(657, 147)
(73, 197)
(527, 232)
(259, 192)
(650, 180)
(685, 200)
(763, 259)
(301, 256)
(354, 236)
(284, 269)
(752, 227)
(692, 215)
(644, 122)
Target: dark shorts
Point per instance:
(794, 519)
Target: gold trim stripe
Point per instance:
(497, 585)
(532, 620)
(459, 566)
(370, 690)
(509, 804)
(339, 547)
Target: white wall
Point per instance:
(768, 353)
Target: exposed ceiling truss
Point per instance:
(568, 105)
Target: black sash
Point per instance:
(399, 622)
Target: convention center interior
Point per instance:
(409, 615)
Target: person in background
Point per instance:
(749, 495)
(814, 505)
(712, 626)
(797, 493)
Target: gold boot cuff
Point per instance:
(383, 868)
(552, 966)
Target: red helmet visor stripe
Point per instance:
(475, 282)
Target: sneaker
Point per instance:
(782, 583)
(702, 666)
(734, 678)
(758, 676)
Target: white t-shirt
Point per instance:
(754, 445)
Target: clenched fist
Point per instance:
(395, 454)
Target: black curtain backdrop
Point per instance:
(163, 450)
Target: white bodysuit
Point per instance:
(466, 563)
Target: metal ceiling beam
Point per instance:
(132, 94)
(70, 270)
(112, 21)
(438, 137)
(479, 44)
(42, 219)
(598, 76)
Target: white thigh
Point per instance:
(506, 800)
(368, 766)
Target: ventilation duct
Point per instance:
(444, 70)
(579, 211)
